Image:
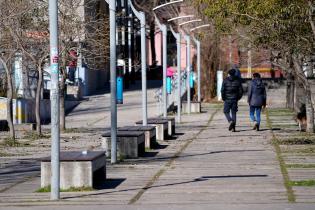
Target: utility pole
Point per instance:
(198, 69)
(188, 74)
(141, 17)
(54, 98)
(113, 62)
(164, 33)
(178, 43)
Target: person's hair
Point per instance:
(256, 75)
(232, 72)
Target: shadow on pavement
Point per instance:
(200, 179)
(109, 184)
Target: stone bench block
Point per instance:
(76, 169)
(130, 144)
(195, 107)
(4, 125)
(171, 124)
(25, 127)
(149, 133)
(161, 127)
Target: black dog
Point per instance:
(301, 118)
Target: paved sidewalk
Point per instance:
(204, 167)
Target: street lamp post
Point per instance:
(54, 97)
(188, 66)
(141, 17)
(113, 88)
(190, 21)
(178, 41)
(198, 68)
(163, 28)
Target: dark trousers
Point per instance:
(230, 109)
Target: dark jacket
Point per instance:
(232, 89)
(257, 93)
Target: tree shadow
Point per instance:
(109, 184)
(115, 182)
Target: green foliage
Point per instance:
(71, 189)
(278, 24)
(10, 142)
(300, 165)
(34, 136)
(303, 183)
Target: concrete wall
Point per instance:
(92, 80)
(24, 110)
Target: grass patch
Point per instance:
(283, 168)
(300, 165)
(280, 112)
(71, 189)
(9, 142)
(303, 183)
(34, 136)
(285, 126)
(148, 150)
(303, 151)
(3, 154)
(297, 141)
(72, 130)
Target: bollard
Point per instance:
(169, 85)
(191, 79)
(120, 89)
(219, 84)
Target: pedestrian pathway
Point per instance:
(205, 166)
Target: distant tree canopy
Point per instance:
(277, 24)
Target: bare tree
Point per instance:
(10, 21)
(84, 29)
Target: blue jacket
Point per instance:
(257, 93)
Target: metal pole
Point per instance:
(178, 42)
(199, 70)
(141, 17)
(188, 74)
(179, 66)
(112, 19)
(164, 33)
(54, 97)
(143, 70)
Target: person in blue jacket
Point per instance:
(256, 99)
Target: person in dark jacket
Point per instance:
(231, 92)
(256, 99)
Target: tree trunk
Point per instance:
(308, 94)
(310, 15)
(290, 92)
(152, 42)
(209, 66)
(62, 105)
(9, 98)
(62, 93)
(309, 111)
(9, 101)
(38, 100)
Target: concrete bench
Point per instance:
(25, 127)
(130, 144)
(77, 169)
(161, 127)
(195, 107)
(170, 121)
(149, 133)
(4, 125)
